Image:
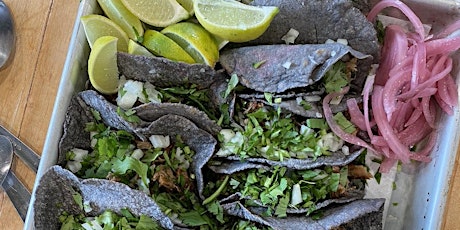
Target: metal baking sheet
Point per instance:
(421, 190)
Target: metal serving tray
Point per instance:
(421, 191)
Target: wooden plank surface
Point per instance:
(29, 83)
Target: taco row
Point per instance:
(251, 146)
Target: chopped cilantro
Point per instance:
(272, 188)
(231, 85)
(128, 115)
(189, 95)
(273, 135)
(107, 220)
(336, 78)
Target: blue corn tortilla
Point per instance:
(358, 214)
(57, 187)
(308, 64)
(152, 111)
(108, 112)
(289, 103)
(200, 141)
(162, 72)
(74, 136)
(335, 159)
(320, 20)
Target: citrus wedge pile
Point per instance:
(158, 28)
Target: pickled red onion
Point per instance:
(413, 82)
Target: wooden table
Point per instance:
(28, 87)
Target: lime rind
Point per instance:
(102, 65)
(232, 20)
(161, 45)
(187, 5)
(96, 26)
(194, 39)
(136, 49)
(118, 13)
(158, 13)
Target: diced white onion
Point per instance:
(73, 166)
(153, 95)
(159, 141)
(93, 140)
(227, 134)
(331, 142)
(185, 164)
(296, 197)
(137, 154)
(79, 154)
(305, 130)
(345, 150)
(287, 65)
(290, 36)
(132, 90)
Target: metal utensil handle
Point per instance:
(18, 193)
(26, 154)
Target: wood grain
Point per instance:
(29, 83)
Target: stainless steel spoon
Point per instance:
(16, 190)
(6, 33)
(6, 157)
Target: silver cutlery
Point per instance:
(6, 33)
(14, 188)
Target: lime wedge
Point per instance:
(232, 20)
(136, 49)
(194, 39)
(96, 26)
(159, 13)
(160, 45)
(117, 12)
(102, 65)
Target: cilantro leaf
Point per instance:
(193, 219)
(129, 163)
(282, 206)
(232, 83)
(336, 78)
